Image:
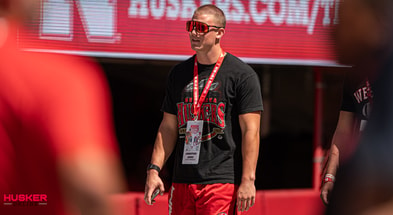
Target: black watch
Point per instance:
(152, 166)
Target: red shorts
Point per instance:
(206, 199)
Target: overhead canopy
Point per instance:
(258, 31)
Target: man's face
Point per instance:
(358, 35)
(204, 41)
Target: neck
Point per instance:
(209, 57)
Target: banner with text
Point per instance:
(258, 31)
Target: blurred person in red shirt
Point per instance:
(58, 152)
(364, 36)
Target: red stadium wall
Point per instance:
(268, 202)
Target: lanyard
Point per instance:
(198, 103)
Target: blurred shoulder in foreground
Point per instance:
(58, 150)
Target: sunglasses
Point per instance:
(199, 27)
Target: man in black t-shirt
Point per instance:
(216, 171)
(354, 113)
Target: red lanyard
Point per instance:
(198, 103)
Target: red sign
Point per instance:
(258, 31)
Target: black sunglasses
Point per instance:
(200, 27)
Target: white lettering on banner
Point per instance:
(57, 18)
(157, 8)
(280, 12)
(233, 9)
(187, 9)
(277, 18)
(261, 17)
(203, 2)
(293, 12)
(138, 9)
(336, 12)
(236, 14)
(173, 9)
(98, 20)
(298, 12)
(313, 18)
(326, 18)
(224, 6)
(327, 4)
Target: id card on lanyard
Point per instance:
(193, 140)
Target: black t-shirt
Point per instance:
(235, 90)
(357, 97)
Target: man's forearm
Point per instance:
(250, 151)
(159, 155)
(165, 141)
(333, 161)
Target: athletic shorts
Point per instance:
(203, 199)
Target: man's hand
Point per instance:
(326, 190)
(153, 182)
(246, 195)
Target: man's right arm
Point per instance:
(341, 145)
(163, 147)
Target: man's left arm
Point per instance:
(250, 128)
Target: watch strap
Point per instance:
(153, 166)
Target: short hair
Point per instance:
(213, 10)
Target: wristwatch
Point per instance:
(152, 166)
